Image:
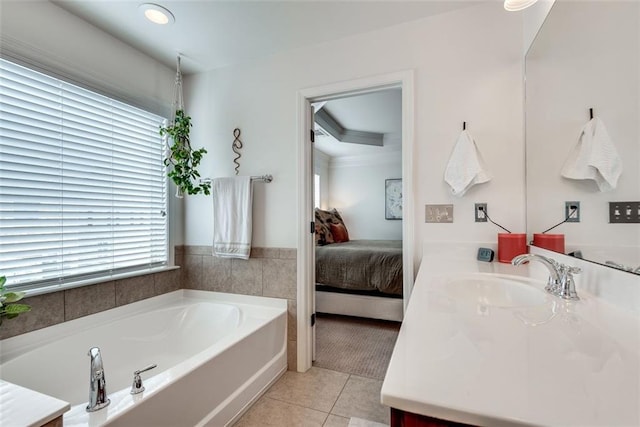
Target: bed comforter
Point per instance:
(363, 265)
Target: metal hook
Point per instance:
(464, 125)
(591, 113)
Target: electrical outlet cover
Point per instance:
(567, 211)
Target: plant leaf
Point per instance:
(3, 280)
(15, 309)
(13, 297)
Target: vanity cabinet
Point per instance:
(400, 418)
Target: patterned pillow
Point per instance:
(323, 231)
(324, 219)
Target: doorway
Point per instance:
(306, 181)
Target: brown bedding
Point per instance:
(363, 265)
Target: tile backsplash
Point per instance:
(57, 307)
(270, 272)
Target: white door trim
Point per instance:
(305, 264)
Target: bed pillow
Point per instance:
(339, 232)
(323, 230)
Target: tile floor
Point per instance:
(317, 398)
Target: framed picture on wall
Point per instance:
(393, 198)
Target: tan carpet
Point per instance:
(355, 345)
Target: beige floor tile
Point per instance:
(361, 398)
(316, 389)
(336, 421)
(270, 412)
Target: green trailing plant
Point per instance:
(182, 159)
(8, 307)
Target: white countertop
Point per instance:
(549, 364)
(21, 407)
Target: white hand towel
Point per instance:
(594, 157)
(466, 167)
(232, 210)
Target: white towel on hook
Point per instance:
(466, 167)
(232, 210)
(594, 157)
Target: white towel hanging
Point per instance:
(466, 167)
(594, 157)
(232, 216)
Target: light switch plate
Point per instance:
(438, 213)
(624, 212)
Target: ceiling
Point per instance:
(378, 112)
(213, 33)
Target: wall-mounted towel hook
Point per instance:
(464, 125)
(236, 146)
(590, 113)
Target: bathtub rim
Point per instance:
(14, 346)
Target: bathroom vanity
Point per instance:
(487, 345)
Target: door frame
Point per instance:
(305, 261)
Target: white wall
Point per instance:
(43, 33)
(532, 19)
(587, 56)
(357, 190)
(467, 66)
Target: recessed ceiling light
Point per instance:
(157, 14)
(515, 5)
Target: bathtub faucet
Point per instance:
(97, 384)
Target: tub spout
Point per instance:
(97, 384)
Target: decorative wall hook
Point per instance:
(590, 113)
(464, 125)
(236, 146)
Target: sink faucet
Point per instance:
(623, 267)
(97, 383)
(560, 282)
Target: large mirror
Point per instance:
(586, 56)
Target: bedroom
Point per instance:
(358, 220)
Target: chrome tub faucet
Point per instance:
(97, 384)
(560, 282)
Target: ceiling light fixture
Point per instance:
(516, 5)
(157, 14)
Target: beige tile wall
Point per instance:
(57, 307)
(270, 272)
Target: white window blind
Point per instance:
(82, 184)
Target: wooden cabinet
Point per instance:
(401, 418)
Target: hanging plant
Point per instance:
(182, 159)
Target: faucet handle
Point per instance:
(567, 287)
(137, 386)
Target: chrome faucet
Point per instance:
(97, 384)
(560, 282)
(623, 267)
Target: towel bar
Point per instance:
(262, 178)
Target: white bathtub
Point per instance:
(215, 353)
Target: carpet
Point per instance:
(355, 345)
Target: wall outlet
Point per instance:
(480, 212)
(624, 212)
(438, 213)
(571, 214)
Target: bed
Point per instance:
(356, 277)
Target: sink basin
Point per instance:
(494, 291)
